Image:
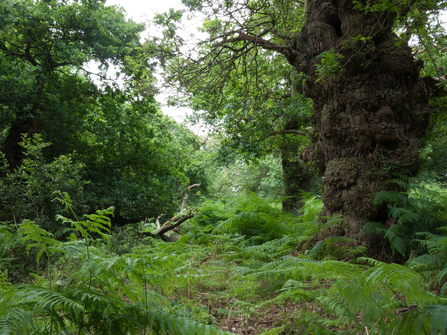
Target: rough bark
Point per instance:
(369, 118)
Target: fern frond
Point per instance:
(13, 318)
(317, 250)
(333, 247)
(397, 242)
(372, 228)
(438, 320)
(390, 197)
(37, 237)
(427, 262)
(44, 298)
(335, 306)
(395, 279)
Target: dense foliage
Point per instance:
(115, 219)
(133, 157)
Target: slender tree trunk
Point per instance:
(369, 118)
(29, 124)
(297, 175)
(11, 148)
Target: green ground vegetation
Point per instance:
(116, 219)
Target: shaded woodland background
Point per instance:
(315, 203)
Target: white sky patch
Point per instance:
(142, 12)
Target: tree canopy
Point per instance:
(316, 204)
(113, 126)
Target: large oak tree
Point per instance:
(371, 108)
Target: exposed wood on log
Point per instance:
(176, 220)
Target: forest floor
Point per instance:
(237, 304)
(239, 276)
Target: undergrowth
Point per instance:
(240, 266)
(87, 291)
(419, 209)
(313, 287)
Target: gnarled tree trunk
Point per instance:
(369, 117)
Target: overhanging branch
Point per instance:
(256, 40)
(291, 131)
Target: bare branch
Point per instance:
(256, 40)
(185, 199)
(187, 190)
(178, 223)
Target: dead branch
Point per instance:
(176, 220)
(187, 190)
(185, 199)
(178, 223)
(168, 225)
